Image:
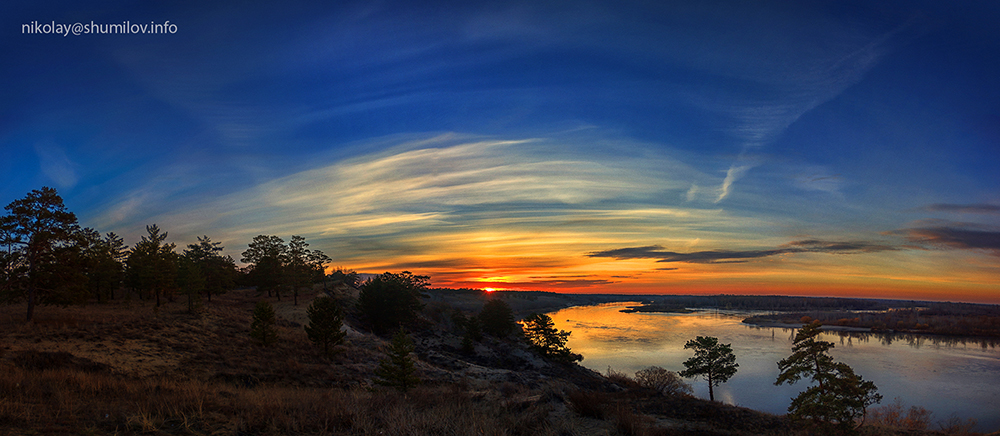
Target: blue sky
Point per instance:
(844, 148)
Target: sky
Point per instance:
(838, 148)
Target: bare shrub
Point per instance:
(957, 426)
(620, 378)
(896, 415)
(667, 382)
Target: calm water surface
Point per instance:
(950, 377)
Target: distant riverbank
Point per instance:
(656, 308)
(840, 314)
(783, 325)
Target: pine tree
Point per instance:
(219, 272)
(152, 264)
(839, 396)
(325, 323)
(267, 256)
(389, 300)
(544, 337)
(190, 280)
(43, 256)
(497, 318)
(103, 262)
(262, 328)
(715, 361)
(397, 369)
(468, 346)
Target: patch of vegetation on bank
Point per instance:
(956, 319)
(657, 308)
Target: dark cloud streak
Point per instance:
(955, 236)
(737, 256)
(964, 208)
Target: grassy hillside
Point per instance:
(127, 368)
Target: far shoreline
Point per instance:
(825, 327)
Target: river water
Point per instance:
(951, 377)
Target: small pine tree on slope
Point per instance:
(397, 369)
(325, 323)
(262, 327)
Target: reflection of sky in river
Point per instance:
(949, 376)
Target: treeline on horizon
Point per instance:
(786, 303)
(47, 258)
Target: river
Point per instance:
(951, 377)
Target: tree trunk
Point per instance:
(31, 287)
(711, 392)
(819, 377)
(31, 301)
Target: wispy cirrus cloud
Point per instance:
(56, 165)
(420, 200)
(737, 256)
(820, 75)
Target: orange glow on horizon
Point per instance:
(550, 262)
(700, 279)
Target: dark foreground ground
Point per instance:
(128, 368)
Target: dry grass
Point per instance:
(69, 400)
(127, 368)
(140, 341)
(590, 404)
(629, 423)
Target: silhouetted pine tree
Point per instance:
(389, 300)
(262, 328)
(397, 369)
(497, 319)
(42, 259)
(839, 396)
(544, 337)
(325, 323)
(712, 360)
